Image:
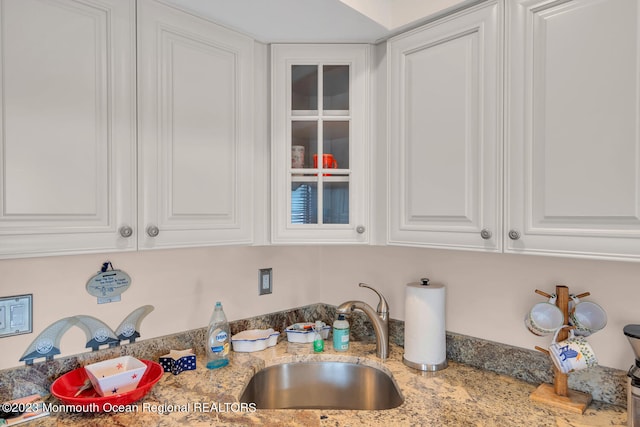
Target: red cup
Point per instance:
(328, 162)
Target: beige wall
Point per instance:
(487, 294)
(183, 286)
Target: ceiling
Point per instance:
(319, 21)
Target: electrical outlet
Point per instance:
(16, 315)
(265, 281)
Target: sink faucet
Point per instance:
(379, 319)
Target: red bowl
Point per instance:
(67, 385)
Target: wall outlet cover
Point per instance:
(265, 281)
(16, 315)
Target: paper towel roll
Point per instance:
(425, 344)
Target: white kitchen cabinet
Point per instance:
(570, 120)
(67, 169)
(81, 172)
(573, 128)
(320, 156)
(444, 132)
(195, 132)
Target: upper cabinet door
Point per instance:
(444, 132)
(195, 110)
(67, 126)
(574, 128)
(320, 113)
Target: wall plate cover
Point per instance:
(265, 281)
(16, 315)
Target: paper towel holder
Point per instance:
(424, 281)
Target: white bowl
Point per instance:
(116, 376)
(254, 340)
(296, 333)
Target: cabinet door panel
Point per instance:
(574, 168)
(195, 112)
(441, 122)
(200, 130)
(444, 119)
(68, 132)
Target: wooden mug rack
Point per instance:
(558, 393)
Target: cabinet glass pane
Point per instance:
(304, 203)
(304, 87)
(335, 141)
(335, 199)
(304, 143)
(335, 81)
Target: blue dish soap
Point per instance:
(218, 339)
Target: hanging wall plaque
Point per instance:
(108, 284)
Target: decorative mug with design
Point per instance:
(572, 354)
(297, 156)
(544, 318)
(587, 317)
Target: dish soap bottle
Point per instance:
(318, 341)
(341, 334)
(218, 339)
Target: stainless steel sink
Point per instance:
(322, 385)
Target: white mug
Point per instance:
(587, 317)
(544, 318)
(572, 354)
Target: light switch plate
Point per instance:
(265, 281)
(16, 315)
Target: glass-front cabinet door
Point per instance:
(319, 143)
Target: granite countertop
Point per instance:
(459, 395)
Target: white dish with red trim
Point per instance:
(115, 376)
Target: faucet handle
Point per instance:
(383, 307)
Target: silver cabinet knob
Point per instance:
(360, 229)
(125, 231)
(514, 234)
(153, 231)
(486, 234)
